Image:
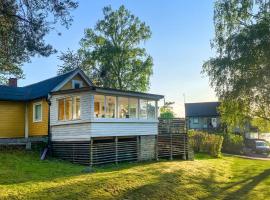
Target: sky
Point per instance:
(180, 43)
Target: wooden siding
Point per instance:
(12, 119)
(87, 109)
(38, 128)
(123, 129)
(84, 131)
(71, 132)
(68, 85)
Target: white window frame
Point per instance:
(73, 97)
(74, 82)
(34, 111)
(117, 114)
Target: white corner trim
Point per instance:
(34, 111)
(26, 129)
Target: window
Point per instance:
(123, 107)
(76, 84)
(99, 106)
(151, 109)
(37, 112)
(69, 108)
(110, 107)
(143, 109)
(133, 108)
(195, 120)
(77, 108)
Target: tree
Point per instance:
(240, 72)
(23, 26)
(111, 53)
(166, 111)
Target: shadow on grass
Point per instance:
(248, 184)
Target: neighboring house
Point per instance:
(70, 109)
(202, 116)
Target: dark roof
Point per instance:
(43, 88)
(203, 109)
(34, 91)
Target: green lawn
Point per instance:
(24, 176)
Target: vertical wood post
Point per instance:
(185, 152)
(91, 152)
(138, 148)
(116, 150)
(157, 148)
(171, 153)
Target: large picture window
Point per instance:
(99, 104)
(69, 108)
(123, 107)
(133, 108)
(151, 109)
(110, 107)
(143, 109)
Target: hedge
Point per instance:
(205, 142)
(233, 143)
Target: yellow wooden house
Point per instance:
(24, 111)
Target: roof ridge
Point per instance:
(50, 78)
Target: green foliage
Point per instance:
(23, 27)
(262, 125)
(111, 53)
(205, 143)
(234, 114)
(233, 143)
(167, 114)
(166, 111)
(240, 72)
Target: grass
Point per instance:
(24, 176)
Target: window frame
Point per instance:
(138, 109)
(34, 112)
(73, 99)
(74, 82)
(197, 121)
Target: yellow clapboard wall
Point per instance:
(12, 119)
(38, 128)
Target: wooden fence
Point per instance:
(172, 140)
(98, 151)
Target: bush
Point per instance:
(233, 143)
(205, 143)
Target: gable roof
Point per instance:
(34, 91)
(202, 109)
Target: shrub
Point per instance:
(233, 143)
(205, 142)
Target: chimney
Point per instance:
(12, 82)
